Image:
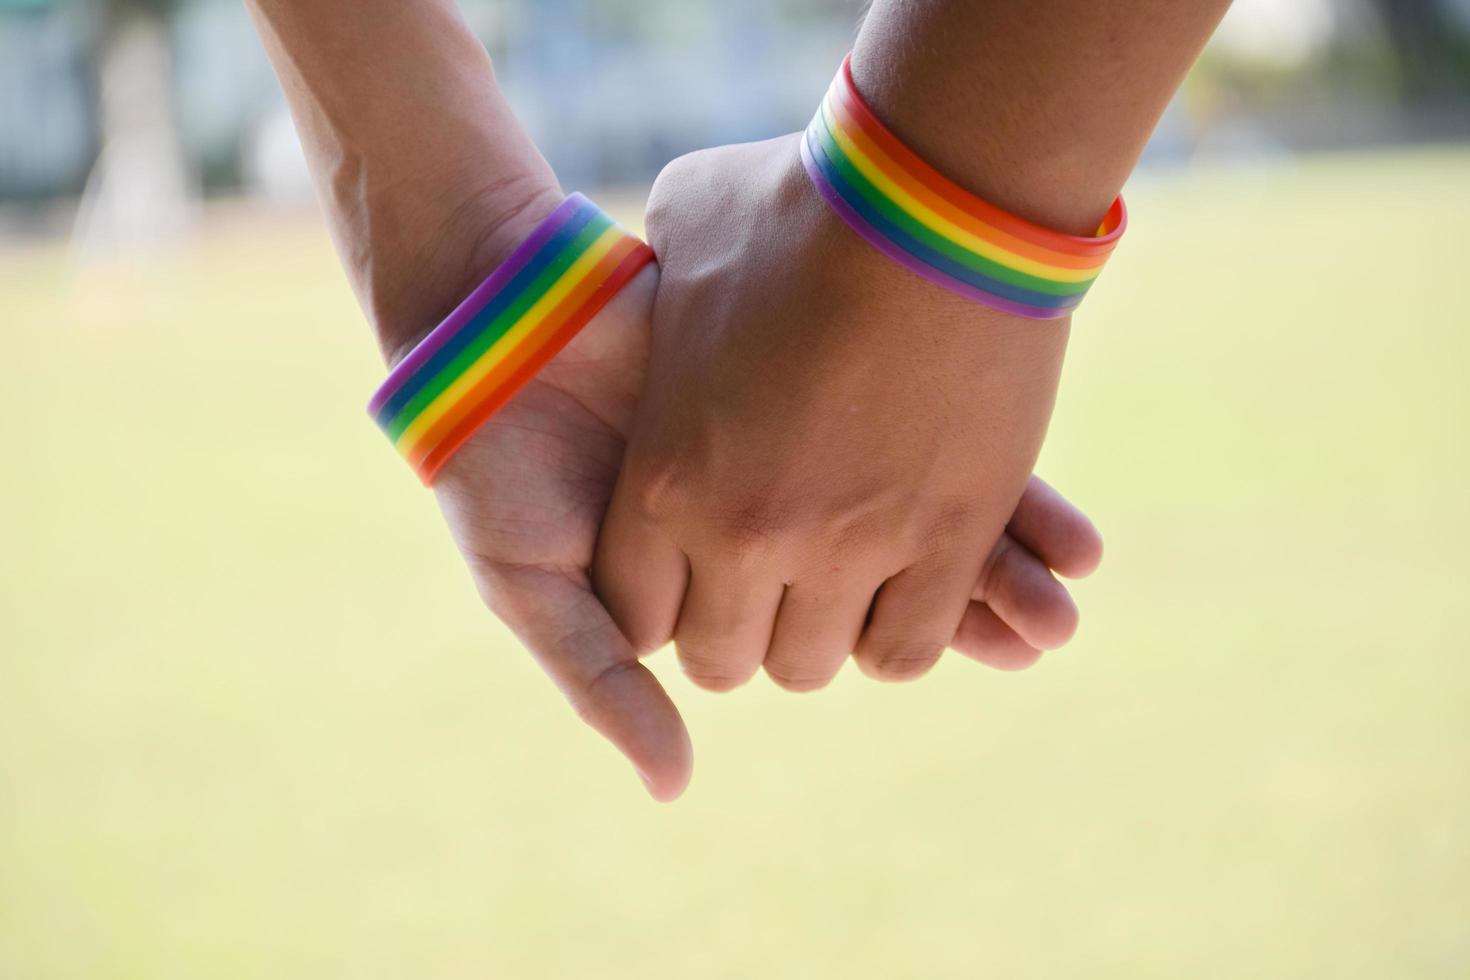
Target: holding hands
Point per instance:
(777, 448)
(525, 499)
(828, 448)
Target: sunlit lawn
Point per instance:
(253, 722)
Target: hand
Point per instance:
(828, 447)
(525, 497)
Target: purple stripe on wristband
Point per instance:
(889, 248)
(475, 302)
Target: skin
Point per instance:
(418, 223)
(829, 445)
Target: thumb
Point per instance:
(579, 647)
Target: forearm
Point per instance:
(425, 175)
(1040, 106)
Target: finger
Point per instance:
(577, 644)
(914, 616)
(817, 629)
(1056, 531)
(984, 637)
(725, 625)
(1020, 589)
(639, 573)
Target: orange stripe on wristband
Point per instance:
(618, 268)
(529, 308)
(934, 227)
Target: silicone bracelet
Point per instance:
(516, 321)
(927, 223)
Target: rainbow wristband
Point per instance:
(517, 320)
(932, 226)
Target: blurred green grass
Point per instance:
(253, 722)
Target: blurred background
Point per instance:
(254, 723)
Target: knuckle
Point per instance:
(659, 490)
(857, 531)
(904, 660)
(668, 195)
(713, 679)
(709, 672)
(750, 526)
(797, 678)
(670, 176)
(950, 530)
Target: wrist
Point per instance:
(410, 293)
(935, 228)
(841, 264)
(1029, 111)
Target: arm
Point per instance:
(426, 177)
(829, 444)
(1058, 97)
(428, 183)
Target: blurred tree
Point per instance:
(1432, 53)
